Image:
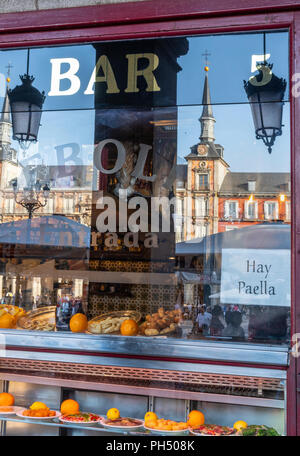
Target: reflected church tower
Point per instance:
(6, 151)
(8, 155)
(206, 169)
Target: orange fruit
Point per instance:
(7, 321)
(238, 425)
(129, 328)
(69, 406)
(113, 414)
(78, 323)
(6, 399)
(150, 416)
(196, 418)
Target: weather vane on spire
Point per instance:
(206, 54)
(9, 67)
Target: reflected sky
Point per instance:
(234, 130)
(72, 118)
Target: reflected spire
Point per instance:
(5, 113)
(207, 119)
(5, 120)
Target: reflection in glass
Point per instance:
(160, 205)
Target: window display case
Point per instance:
(145, 236)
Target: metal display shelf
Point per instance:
(135, 351)
(56, 423)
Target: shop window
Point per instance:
(96, 219)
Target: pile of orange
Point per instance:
(195, 419)
(7, 321)
(78, 323)
(166, 425)
(129, 328)
(69, 407)
(9, 315)
(6, 399)
(39, 413)
(153, 422)
(39, 410)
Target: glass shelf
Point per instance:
(56, 423)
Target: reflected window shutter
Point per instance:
(288, 210)
(196, 207)
(266, 209)
(202, 207)
(226, 209)
(246, 209)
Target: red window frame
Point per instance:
(181, 17)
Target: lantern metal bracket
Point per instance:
(31, 202)
(257, 91)
(26, 103)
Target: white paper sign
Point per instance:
(255, 277)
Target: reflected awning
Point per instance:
(258, 236)
(46, 231)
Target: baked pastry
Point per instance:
(162, 322)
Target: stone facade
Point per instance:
(14, 6)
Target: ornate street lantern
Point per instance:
(265, 93)
(30, 196)
(26, 109)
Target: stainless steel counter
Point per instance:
(179, 354)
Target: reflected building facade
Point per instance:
(212, 199)
(209, 197)
(71, 186)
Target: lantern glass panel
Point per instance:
(266, 111)
(26, 120)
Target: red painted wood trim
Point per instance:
(147, 11)
(144, 30)
(179, 17)
(291, 399)
(143, 357)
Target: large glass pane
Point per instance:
(148, 196)
(88, 76)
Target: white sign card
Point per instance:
(255, 277)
